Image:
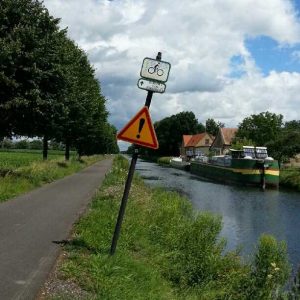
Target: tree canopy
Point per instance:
(212, 127)
(260, 128)
(287, 143)
(268, 129)
(48, 88)
(170, 130)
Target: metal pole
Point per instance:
(124, 202)
(128, 183)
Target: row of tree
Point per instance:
(48, 87)
(35, 144)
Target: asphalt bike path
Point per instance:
(32, 225)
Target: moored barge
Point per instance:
(250, 166)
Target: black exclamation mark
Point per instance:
(141, 125)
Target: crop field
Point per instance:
(11, 160)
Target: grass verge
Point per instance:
(37, 173)
(164, 161)
(165, 251)
(290, 178)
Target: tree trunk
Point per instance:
(45, 147)
(67, 151)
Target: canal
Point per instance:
(246, 212)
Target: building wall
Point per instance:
(204, 150)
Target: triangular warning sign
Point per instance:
(140, 130)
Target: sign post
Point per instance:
(140, 130)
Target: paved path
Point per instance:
(29, 225)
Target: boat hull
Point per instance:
(241, 171)
(180, 165)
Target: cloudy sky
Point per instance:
(230, 58)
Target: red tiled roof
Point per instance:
(195, 139)
(186, 139)
(228, 135)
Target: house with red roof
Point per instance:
(194, 145)
(223, 140)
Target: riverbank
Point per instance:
(166, 251)
(22, 172)
(290, 178)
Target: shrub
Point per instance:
(164, 160)
(271, 269)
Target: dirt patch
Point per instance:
(56, 287)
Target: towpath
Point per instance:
(32, 223)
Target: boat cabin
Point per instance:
(250, 152)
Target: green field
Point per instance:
(11, 160)
(22, 171)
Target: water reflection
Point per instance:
(246, 212)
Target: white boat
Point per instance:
(179, 163)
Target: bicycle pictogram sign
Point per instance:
(155, 69)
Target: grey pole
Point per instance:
(128, 183)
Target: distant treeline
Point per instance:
(263, 129)
(48, 87)
(24, 144)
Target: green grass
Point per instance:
(164, 160)
(165, 251)
(21, 172)
(290, 178)
(10, 160)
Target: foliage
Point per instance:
(170, 130)
(287, 143)
(165, 160)
(47, 85)
(165, 250)
(212, 127)
(7, 143)
(22, 144)
(293, 125)
(294, 293)
(261, 128)
(37, 145)
(271, 269)
(238, 143)
(31, 81)
(290, 178)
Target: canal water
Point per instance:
(247, 212)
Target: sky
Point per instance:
(229, 58)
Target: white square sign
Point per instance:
(155, 69)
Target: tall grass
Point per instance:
(165, 160)
(165, 251)
(23, 175)
(290, 178)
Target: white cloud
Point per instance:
(199, 38)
